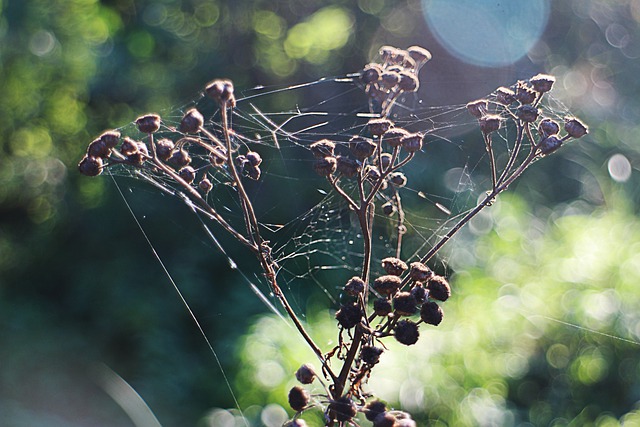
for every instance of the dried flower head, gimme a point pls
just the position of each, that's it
(505, 96)
(385, 419)
(419, 54)
(342, 409)
(439, 288)
(370, 354)
(129, 146)
(409, 82)
(298, 422)
(111, 138)
(388, 208)
(98, 148)
(188, 174)
(431, 313)
(221, 91)
(205, 185)
(362, 147)
(478, 108)
(253, 158)
(298, 398)
(373, 409)
(394, 136)
(527, 113)
(548, 127)
(406, 332)
(347, 167)
(542, 82)
(306, 374)
(252, 172)
(371, 73)
(575, 128)
(191, 122)
(398, 179)
(355, 286)
(382, 307)
(149, 123)
(387, 285)
(412, 142)
(420, 272)
(490, 123)
(394, 266)
(349, 315)
(390, 79)
(419, 293)
(325, 166)
(90, 166)
(378, 127)
(179, 158)
(322, 148)
(405, 304)
(524, 94)
(549, 144)
(164, 148)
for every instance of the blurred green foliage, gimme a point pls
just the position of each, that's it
(80, 287)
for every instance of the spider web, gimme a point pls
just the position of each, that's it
(314, 236)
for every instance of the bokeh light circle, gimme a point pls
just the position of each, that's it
(487, 33)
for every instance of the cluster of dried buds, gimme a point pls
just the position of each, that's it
(396, 73)
(521, 103)
(162, 152)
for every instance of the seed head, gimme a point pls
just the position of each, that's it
(342, 409)
(420, 272)
(253, 158)
(325, 166)
(412, 142)
(322, 148)
(298, 398)
(575, 128)
(439, 288)
(98, 148)
(394, 266)
(349, 315)
(390, 79)
(179, 158)
(191, 122)
(408, 81)
(394, 136)
(205, 185)
(385, 161)
(478, 108)
(419, 54)
(355, 286)
(346, 166)
(129, 146)
(148, 123)
(188, 174)
(388, 52)
(371, 73)
(419, 293)
(385, 419)
(388, 209)
(221, 91)
(490, 123)
(431, 313)
(378, 127)
(306, 374)
(164, 149)
(373, 409)
(362, 147)
(110, 138)
(505, 96)
(527, 113)
(382, 307)
(298, 422)
(548, 127)
(549, 144)
(524, 94)
(90, 166)
(406, 332)
(372, 173)
(398, 179)
(370, 354)
(404, 303)
(387, 285)
(542, 82)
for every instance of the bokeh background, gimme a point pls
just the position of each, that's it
(543, 328)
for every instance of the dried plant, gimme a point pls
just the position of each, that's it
(366, 173)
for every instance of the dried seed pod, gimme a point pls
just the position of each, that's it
(505, 96)
(98, 148)
(373, 409)
(370, 354)
(524, 94)
(390, 79)
(362, 147)
(439, 288)
(548, 127)
(371, 73)
(403, 419)
(322, 148)
(325, 166)
(90, 166)
(355, 286)
(252, 172)
(406, 332)
(405, 304)
(342, 409)
(408, 81)
(298, 422)
(218, 156)
(394, 136)
(412, 142)
(188, 174)
(385, 419)
(378, 127)
(394, 266)
(419, 54)
(349, 315)
(346, 166)
(306, 374)
(253, 158)
(549, 144)
(191, 122)
(298, 398)
(542, 82)
(388, 52)
(164, 149)
(398, 179)
(205, 185)
(575, 128)
(389, 209)
(179, 158)
(111, 138)
(149, 123)
(420, 272)
(478, 108)
(387, 285)
(385, 161)
(431, 313)
(527, 113)
(419, 293)
(221, 91)
(382, 307)
(129, 146)
(490, 123)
